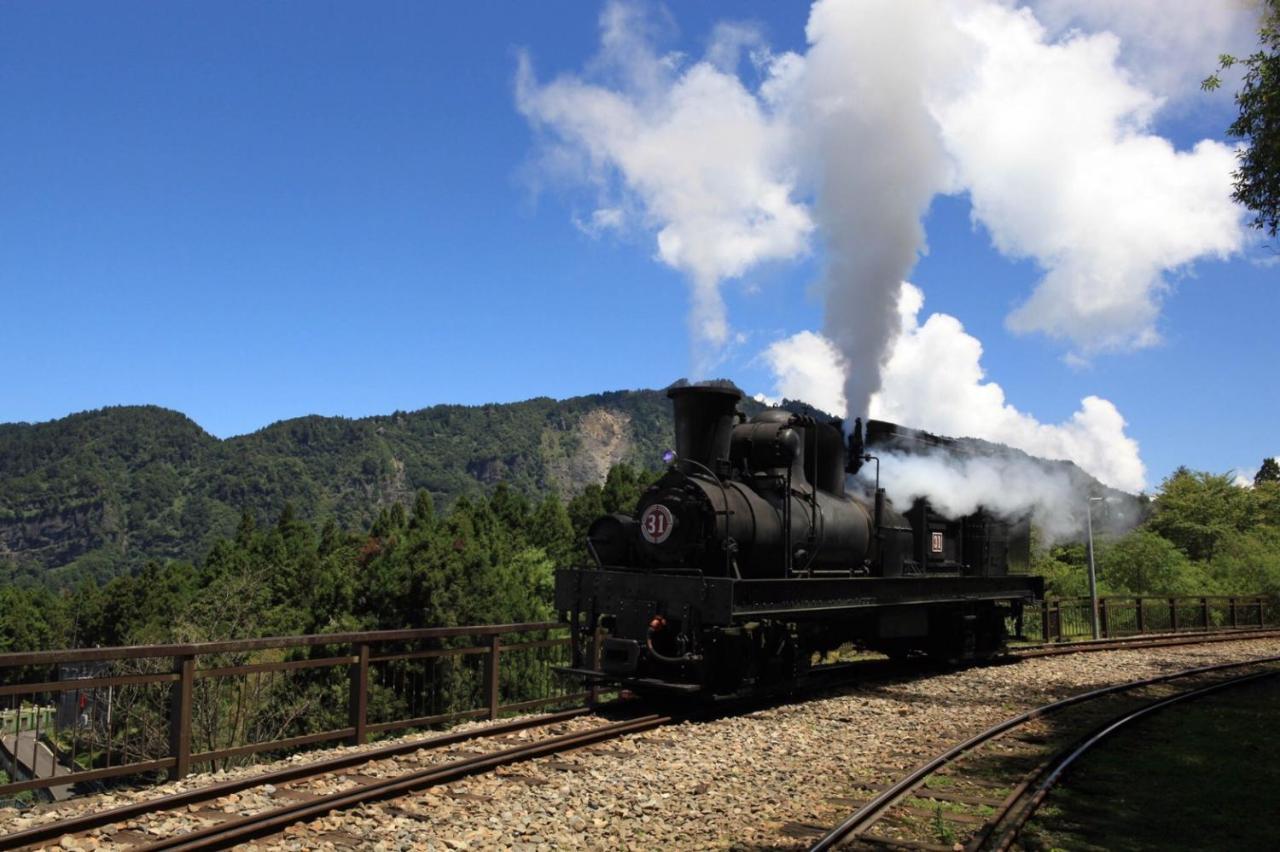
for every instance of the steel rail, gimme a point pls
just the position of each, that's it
(1154, 640)
(90, 821)
(230, 833)
(1029, 804)
(857, 822)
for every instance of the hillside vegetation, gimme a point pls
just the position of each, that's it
(101, 493)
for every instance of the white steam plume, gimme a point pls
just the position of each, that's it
(877, 159)
(934, 380)
(1008, 486)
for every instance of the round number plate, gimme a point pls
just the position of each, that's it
(656, 523)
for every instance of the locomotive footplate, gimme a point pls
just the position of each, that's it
(802, 596)
(721, 601)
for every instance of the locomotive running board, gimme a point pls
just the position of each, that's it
(720, 601)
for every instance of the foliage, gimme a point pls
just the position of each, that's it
(1269, 471)
(1206, 535)
(1196, 510)
(1257, 179)
(100, 493)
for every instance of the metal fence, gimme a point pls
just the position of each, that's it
(111, 712)
(1069, 619)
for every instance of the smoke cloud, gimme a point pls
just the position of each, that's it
(934, 380)
(877, 160)
(1010, 487)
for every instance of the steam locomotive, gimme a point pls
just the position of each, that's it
(749, 558)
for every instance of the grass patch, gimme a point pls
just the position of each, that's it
(1197, 776)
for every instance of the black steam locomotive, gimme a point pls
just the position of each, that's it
(749, 557)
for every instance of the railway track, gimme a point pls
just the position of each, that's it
(227, 832)
(980, 812)
(1157, 640)
(203, 803)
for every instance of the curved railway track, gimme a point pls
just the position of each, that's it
(1008, 813)
(230, 830)
(1155, 640)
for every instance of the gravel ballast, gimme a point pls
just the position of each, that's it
(733, 782)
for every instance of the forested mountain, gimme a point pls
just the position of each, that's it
(103, 491)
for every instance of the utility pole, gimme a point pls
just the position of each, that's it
(1093, 574)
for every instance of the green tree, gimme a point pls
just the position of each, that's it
(1268, 472)
(1195, 510)
(1145, 563)
(1257, 179)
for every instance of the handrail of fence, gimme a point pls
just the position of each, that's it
(1068, 619)
(111, 712)
(103, 713)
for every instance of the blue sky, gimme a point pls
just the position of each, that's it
(250, 212)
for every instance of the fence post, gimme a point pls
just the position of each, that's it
(1232, 604)
(491, 675)
(1261, 620)
(1173, 615)
(358, 703)
(1204, 612)
(1142, 619)
(1104, 617)
(180, 716)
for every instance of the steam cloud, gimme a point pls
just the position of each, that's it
(1010, 487)
(1043, 115)
(934, 380)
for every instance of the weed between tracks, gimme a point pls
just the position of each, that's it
(1199, 776)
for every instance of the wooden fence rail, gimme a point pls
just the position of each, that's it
(110, 712)
(1067, 619)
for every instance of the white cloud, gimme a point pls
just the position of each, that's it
(934, 380)
(808, 367)
(701, 155)
(1168, 46)
(602, 219)
(1053, 142)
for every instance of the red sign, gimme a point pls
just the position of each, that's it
(937, 542)
(656, 523)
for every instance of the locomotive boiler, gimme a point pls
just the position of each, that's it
(755, 552)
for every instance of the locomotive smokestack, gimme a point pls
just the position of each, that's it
(704, 417)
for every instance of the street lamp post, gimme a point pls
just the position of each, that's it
(1093, 574)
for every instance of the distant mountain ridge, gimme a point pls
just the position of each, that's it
(101, 492)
